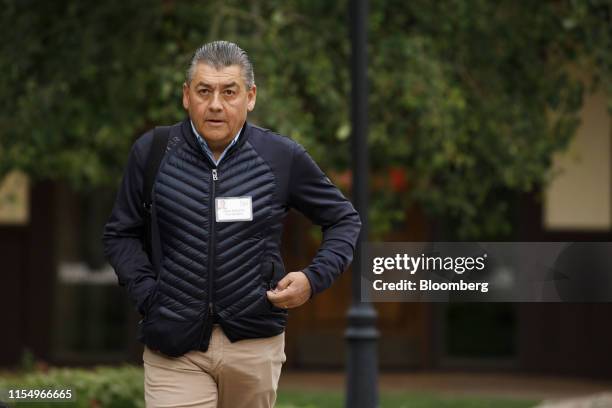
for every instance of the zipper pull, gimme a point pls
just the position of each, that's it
(214, 175)
(210, 309)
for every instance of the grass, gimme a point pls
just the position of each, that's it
(331, 399)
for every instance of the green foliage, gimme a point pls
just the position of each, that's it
(486, 92)
(122, 387)
(108, 387)
(470, 99)
(75, 86)
(28, 360)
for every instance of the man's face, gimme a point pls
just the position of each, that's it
(218, 102)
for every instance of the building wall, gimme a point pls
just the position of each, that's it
(579, 198)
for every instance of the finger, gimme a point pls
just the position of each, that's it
(281, 304)
(281, 297)
(283, 283)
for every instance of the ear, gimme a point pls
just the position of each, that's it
(185, 96)
(251, 98)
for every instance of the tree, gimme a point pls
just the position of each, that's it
(469, 99)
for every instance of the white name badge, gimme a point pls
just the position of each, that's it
(230, 209)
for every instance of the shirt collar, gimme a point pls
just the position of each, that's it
(206, 148)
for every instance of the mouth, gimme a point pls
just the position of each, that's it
(215, 122)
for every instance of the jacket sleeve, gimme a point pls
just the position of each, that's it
(122, 237)
(315, 196)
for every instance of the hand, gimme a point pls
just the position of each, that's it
(291, 291)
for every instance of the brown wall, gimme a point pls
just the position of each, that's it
(563, 338)
(566, 339)
(28, 276)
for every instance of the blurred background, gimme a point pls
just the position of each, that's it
(488, 121)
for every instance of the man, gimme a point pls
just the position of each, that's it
(214, 293)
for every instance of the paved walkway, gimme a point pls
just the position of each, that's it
(524, 386)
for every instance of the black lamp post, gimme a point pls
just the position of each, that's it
(361, 333)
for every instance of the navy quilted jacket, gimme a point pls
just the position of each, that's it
(202, 270)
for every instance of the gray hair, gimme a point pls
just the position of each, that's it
(222, 54)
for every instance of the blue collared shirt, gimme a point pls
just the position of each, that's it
(206, 148)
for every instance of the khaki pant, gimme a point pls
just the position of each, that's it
(227, 375)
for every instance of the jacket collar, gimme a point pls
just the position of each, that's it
(191, 138)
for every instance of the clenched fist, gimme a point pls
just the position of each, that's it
(292, 291)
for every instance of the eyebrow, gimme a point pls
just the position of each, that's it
(223, 86)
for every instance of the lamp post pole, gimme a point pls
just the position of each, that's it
(361, 333)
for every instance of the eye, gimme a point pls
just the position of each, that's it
(229, 92)
(203, 91)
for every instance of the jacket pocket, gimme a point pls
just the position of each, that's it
(279, 273)
(150, 299)
(262, 306)
(267, 274)
(271, 274)
(170, 333)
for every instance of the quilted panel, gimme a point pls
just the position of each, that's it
(182, 199)
(241, 245)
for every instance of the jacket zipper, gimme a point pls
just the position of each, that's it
(211, 243)
(211, 256)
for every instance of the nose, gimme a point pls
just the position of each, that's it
(215, 103)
